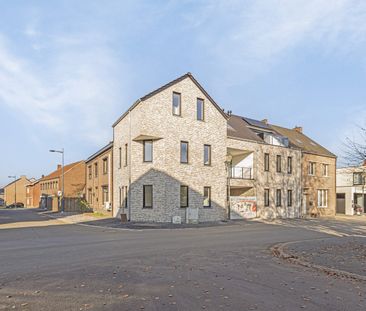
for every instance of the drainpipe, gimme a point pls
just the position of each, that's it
(129, 167)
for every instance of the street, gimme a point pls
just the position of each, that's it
(49, 265)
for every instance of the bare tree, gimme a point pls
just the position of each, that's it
(355, 149)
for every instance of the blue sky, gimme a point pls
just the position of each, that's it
(68, 69)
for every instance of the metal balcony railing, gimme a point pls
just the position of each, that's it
(241, 172)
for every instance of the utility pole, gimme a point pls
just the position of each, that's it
(62, 177)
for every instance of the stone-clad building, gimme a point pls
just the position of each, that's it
(99, 179)
(177, 156)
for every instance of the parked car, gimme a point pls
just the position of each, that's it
(15, 205)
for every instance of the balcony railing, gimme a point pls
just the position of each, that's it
(241, 172)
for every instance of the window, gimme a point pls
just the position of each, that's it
(126, 154)
(148, 150)
(322, 198)
(95, 170)
(105, 194)
(325, 170)
(289, 198)
(105, 166)
(278, 164)
(206, 196)
(90, 172)
(183, 152)
(123, 197)
(183, 196)
(148, 196)
(90, 196)
(207, 155)
(357, 178)
(311, 168)
(119, 157)
(266, 197)
(200, 109)
(289, 165)
(266, 162)
(278, 197)
(176, 104)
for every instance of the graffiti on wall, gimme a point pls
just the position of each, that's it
(243, 207)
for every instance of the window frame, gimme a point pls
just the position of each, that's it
(120, 157)
(144, 150)
(289, 165)
(278, 163)
(289, 198)
(209, 154)
(90, 172)
(180, 104)
(144, 196)
(105, 165)
(312, 168)
(325, 171)
(126, 155)
(209, 196)
(266, 162)
(200, 100)
(181, 143)
(266, 197)
(361, 179)
(180, 196)
(96, 170)
(322, 194)
(279, 202)
(105, 192)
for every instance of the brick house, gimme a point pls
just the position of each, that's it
(318, 173)
(99, 168)
(2, 201)
(169, 156)
(74, 176)
(16, 190)
(33, 194)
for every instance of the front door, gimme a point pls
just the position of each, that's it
(341, 203)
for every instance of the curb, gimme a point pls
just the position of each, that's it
(278, 251)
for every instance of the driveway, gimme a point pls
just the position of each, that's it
(56, 266)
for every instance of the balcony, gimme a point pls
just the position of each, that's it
(238, 172)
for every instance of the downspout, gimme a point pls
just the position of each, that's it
(129, 167)
(109, 181)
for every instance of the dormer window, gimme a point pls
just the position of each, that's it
(176, 104)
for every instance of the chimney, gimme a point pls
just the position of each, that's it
(265, 121)
(298, 129)
(59, 166)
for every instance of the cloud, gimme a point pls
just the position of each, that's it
(72, 91)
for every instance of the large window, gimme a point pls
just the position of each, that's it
(289, 165)
(207, 155)
(278, 197)
(207, 197)
(183, 152)
(266, 162)
(176, 104)
(95, 170)
(105, 194)
(148, 196)
(325, 170)
(200, 109)
(357, 178)
(311, 170)
(266, 197)
(278, 164)
(289, 198)
(123, 196)
(183, 196)
(322, 198)
(148, 150)
(105, 166)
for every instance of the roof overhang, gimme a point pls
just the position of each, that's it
(143, 137)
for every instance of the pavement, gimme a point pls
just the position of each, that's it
(47, 264)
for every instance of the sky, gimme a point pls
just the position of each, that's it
(69, 69)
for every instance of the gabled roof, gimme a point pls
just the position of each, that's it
(303, 142)
(100, 151)
(162, 88)
(57, 173)
(14, 181)
(238, 128)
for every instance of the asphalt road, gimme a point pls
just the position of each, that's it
(46, 265)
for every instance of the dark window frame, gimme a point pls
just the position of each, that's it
(266, 162)
(90, 172)
(144, 149)
(266, 197)
(180, 104)
(105, 165)
(181, 143)
(95, 169)
(203, 108)
(289, 165)
(209, 197)
(289, 198)
(144, 198)
(209, 154)
(119, 157)
(278, 198)
(278, 163)
(126, 155)
(180, 196)
(360, 179)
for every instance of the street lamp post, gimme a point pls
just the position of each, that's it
(63, 180)
(15, 189)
